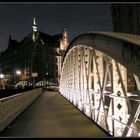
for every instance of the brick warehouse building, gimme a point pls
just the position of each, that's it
(126, 18)
(38, 53)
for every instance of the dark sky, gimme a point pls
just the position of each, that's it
(16, 19)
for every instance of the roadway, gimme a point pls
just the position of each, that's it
(52, 116)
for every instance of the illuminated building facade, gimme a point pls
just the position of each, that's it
(38, 53)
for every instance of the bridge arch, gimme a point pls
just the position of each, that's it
(41, 83)
(23, 83)
(124, 48)
(100, 76)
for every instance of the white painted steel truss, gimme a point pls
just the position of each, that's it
(103, 89)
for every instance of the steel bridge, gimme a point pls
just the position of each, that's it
(100, 76)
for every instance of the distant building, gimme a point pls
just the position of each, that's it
(126, 18)
(38, 53)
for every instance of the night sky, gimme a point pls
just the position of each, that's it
(16, 19)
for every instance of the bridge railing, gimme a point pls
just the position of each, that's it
(12, 106)
(102, 117)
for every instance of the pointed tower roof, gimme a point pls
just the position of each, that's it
(64, 40)
(34, 27)
(34, 22)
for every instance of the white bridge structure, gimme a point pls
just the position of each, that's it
(100, 76)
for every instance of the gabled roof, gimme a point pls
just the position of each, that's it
(52, 40)
(13, 45)
(26, 39)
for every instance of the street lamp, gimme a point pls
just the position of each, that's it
(47, 77)
(1, 77)
(18, 72)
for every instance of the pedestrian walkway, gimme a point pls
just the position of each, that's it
(52, 116)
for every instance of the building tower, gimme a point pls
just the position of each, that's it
(34, 27)
(64, 41)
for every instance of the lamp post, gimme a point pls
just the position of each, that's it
(1, 77)
(46, 77)
(18, 73)
(34, 74)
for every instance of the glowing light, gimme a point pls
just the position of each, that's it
(18, 72)
(1, 76)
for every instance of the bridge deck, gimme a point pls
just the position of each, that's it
(51, 115)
